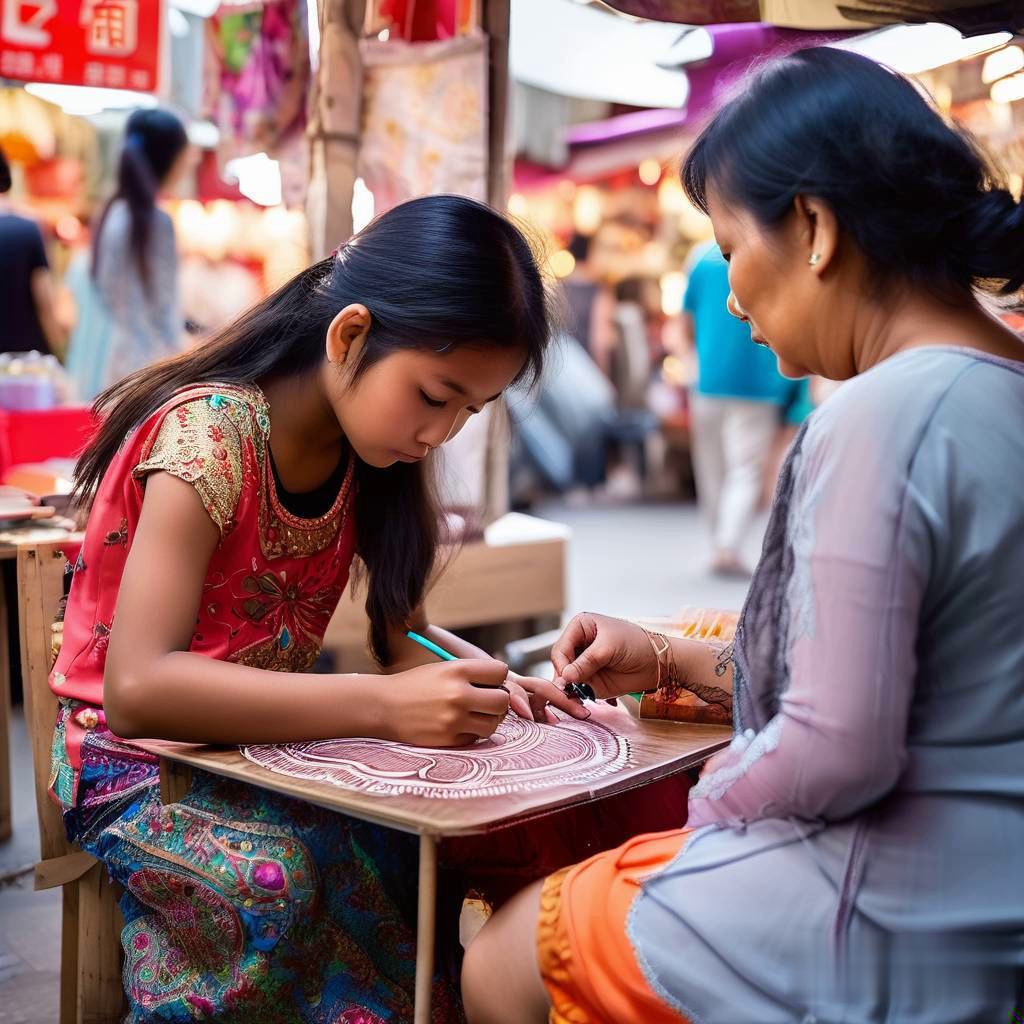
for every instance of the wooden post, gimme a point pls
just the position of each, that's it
(426, 916)
(5, 718)
(335, 125)
(175, 781)
(494, 18)
(40, 586)
(101, 996)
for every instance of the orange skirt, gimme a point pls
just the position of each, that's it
(586, 959)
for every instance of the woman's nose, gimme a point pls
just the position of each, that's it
(735, 308)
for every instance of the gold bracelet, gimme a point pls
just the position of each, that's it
(669, 683)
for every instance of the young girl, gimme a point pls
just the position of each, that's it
(231, 489)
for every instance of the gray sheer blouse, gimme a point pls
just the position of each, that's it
(146, 324)
(860, 853)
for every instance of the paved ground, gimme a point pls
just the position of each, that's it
(629, 560)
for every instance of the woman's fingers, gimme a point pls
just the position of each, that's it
(575, 636)
(588, 663)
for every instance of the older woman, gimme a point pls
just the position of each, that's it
(857, 854)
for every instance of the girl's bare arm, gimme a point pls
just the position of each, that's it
(154, 686)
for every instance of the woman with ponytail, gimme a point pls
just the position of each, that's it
(231, 488)
(857, 853)
(135, 257)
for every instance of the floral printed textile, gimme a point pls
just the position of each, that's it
(242, 906)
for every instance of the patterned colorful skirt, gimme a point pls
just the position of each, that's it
(241, 905)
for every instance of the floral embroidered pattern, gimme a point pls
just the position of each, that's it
(118, 536)
(747, 747)
(202, 442)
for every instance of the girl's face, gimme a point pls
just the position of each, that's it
(412, 401)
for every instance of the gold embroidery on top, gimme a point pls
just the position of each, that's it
(284, 534)
(202, 440)
(267, 654)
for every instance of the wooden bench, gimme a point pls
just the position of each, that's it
(514, 576)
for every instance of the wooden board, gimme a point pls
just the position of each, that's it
(5, 714)
(517, 572)
(657, 749)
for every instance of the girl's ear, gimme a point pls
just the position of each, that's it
(347, 332)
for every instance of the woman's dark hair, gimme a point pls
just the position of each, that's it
(914, 194)
(5, 174)
(153, 141)
(436, 274)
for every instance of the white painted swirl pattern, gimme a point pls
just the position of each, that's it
(520, 755)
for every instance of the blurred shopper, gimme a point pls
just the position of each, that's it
(26, 288)
(591, 306)
(738, 407)
(135, 256)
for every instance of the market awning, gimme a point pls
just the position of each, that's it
(589, 53)
(970, 18)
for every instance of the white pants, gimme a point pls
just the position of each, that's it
(732, 440)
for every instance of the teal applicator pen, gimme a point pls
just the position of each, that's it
(431, 646)
(581, 691)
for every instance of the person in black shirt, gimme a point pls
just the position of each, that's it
(26, 289)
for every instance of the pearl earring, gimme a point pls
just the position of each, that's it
(814, 259)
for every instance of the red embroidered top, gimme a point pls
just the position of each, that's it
(274, 579)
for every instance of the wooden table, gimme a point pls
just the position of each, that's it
(9, 541)
(657, 750)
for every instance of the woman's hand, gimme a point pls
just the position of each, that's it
(531, 696)
(615, 657)
(445, 705)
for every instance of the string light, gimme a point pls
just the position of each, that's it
(1008, 90)
(649, 172)
(563, 263)
(1003, 62)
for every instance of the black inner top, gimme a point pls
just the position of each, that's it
(311, 504)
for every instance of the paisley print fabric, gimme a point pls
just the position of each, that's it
(242, 906)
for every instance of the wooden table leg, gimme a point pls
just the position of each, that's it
(425, 928)
(175, 781)
(5, 720)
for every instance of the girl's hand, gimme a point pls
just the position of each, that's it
(445, 705)
(615, 657)
(530, 698)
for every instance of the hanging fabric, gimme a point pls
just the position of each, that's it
(425, 126)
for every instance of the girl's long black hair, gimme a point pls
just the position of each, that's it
(153, 141)
(435, 273)
(915, 194)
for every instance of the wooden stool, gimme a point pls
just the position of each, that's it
(91, 990)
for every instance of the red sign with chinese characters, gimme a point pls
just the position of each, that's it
(113, 44)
